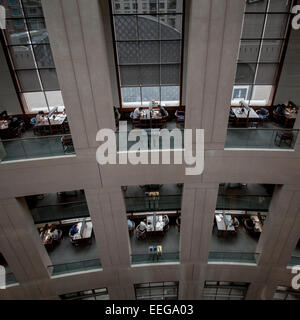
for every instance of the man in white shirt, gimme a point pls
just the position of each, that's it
(137, 113)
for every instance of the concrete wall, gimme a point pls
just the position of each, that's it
(77, 34)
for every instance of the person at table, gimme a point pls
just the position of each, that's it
(163, 111)
(235, 222)
(74, 230)
(137, 113)
(40, 117)
(142, 226)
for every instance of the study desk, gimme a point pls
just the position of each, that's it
(155, 223)
(245, 115)
(53, 124)
(224, 224)
(149, 119)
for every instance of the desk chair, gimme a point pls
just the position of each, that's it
(232, 117)
(140, 235)
(180, 115)
(285, 136)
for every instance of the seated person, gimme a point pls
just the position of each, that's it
(163, 111)
(130, 224)
(73, 230)
(142, 227)
(117, 114)
(165, 220)
(40, 116)
(235, 222)
(137, 113)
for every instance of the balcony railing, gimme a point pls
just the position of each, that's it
(237, 257)
(64, 211)
(244, 202)
(142, 204)
(295, 261)
(278, 139)
(150, 140)
(74, 267)
(36, 147)
(155, 258)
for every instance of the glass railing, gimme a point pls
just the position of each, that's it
(261, 138)
(140, 204)
(246, 202)
(150, 140)
(36, 147)
(155, 258)
(295, 261)
(237, 257)
(60, 212)
(74, 267)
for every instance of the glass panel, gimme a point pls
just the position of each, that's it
(131, 94)
(245, 73)
(149, 75)
(249, 50)
(13, 8)
(16, 32)
(54, 99)
(22, 57)
(127, 52)
(266, 73)
(253, 26)
(280, 5)
(170, 51)
(38, 31)
(271, 51)
(43, 56)
(35, 102)
(49, 79)
(258, 6)
(126, 27)
(150, 93)
(149, 51)
(170, 74)
(170, 27)
(276, 26)
(29, 80)
(129, 75)
(33, 8)
(170, 94)
(148, 28)
(261, 94)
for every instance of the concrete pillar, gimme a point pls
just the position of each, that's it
(23, 250)
(213, 42)
(78, 45)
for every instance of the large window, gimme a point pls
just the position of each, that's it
(93, 294)
(28, 47)
(156, 291)
(148, 43)
(262, 42)
(217, 290)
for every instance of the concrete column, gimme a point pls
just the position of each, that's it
(108, 213)
(78, 45)
(198, 208)
(281, 230)
(213, 41)
(23, 250)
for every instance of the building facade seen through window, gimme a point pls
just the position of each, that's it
(217, 290)
(27, 44)
(156, 291)
(148, 43)
(93, 294)
(285, 293)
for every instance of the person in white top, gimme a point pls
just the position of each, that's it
(137, 113)
(142, 226)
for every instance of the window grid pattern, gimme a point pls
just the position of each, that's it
(217, 290)
(262, 42)
(286, 293)
(93, 294)
(148, 45)
(28, 46)
(156, 291)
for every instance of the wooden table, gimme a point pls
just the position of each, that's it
(5, 132)
(54, 124)
(155, 223)
(241, 114)
(148, 120)
(224, 224)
